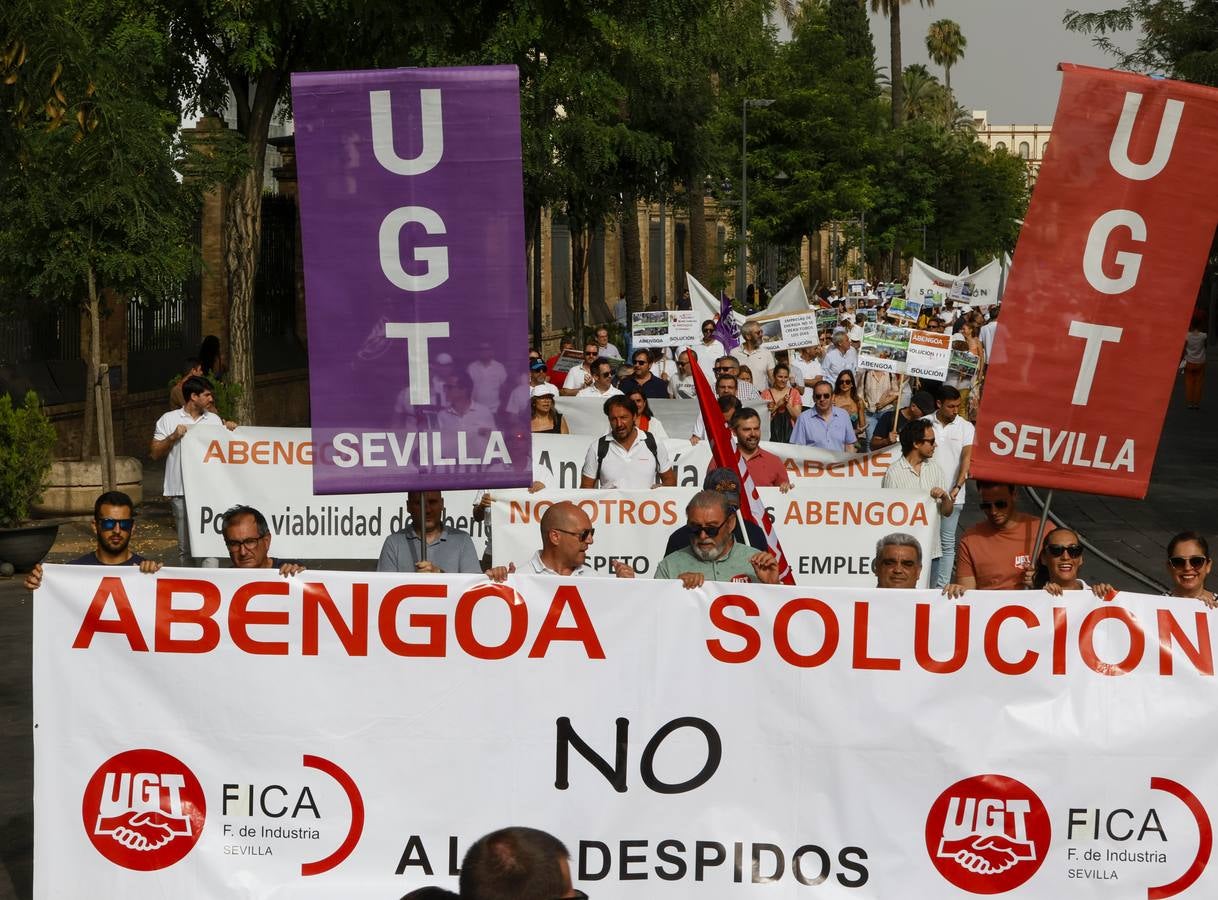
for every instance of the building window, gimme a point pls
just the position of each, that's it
(1000, 146)
(1024, 150)
(1044, 148)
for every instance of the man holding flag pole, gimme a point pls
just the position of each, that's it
(725, 454)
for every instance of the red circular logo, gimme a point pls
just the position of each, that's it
(987, 834)
(143, 810)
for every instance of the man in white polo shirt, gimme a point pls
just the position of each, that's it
(166, 444)
(626, 458)
(602, 382)
(954, 447)
(566, 535)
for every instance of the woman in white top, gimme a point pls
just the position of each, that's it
(1194, 361)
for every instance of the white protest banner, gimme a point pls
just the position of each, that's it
(204, 734)
(270, 469)
(980, 288)
(883, 348)
(788, 332)
(664, 328)
(790, 298)
(828, 534)
(929, 355)
(928, 283)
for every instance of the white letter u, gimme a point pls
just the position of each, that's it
(382, 133)
(1118, 151)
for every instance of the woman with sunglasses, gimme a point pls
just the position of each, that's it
(846, 397)
(1188, 561)
(646, 420)
(1061, 556)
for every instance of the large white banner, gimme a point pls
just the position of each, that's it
(204, 734)
(828, 535)
(270, 469)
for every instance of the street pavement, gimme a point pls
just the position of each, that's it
(1183, 495)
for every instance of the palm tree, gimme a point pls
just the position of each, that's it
(892, 9)
(945, 43)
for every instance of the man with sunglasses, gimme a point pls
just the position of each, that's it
(954, 434)
(915, 470)
(713, 554)
(824, 425)
(641, 379)
(113, 524)
(580, 376)
(566, 535)
(248, 539)
(745, 390)
(996, 554)
(602, 381)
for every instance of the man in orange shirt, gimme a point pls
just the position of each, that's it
(995, 554)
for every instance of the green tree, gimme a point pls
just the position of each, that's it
(892, 9)
(848, 20)
(92, 200)
(1175, 38)
(946, 43)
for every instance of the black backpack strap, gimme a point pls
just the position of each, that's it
(602, 450)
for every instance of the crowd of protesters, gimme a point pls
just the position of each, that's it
(815, 395)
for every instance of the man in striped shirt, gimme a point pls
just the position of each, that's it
(916, 470)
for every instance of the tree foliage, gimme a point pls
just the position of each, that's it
(1175, 38)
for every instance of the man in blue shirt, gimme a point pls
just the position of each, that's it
(825, 425)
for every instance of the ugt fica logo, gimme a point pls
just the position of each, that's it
(143, 810)
(987, 834)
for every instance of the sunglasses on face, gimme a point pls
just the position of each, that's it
(708, 530)
(1074, 551)
(589, 353)
(846, 382)
(994, 504)
(822, 396)
(641, 362)
(583, 536)
(1192, 562)
(722, 369)
(109, 524)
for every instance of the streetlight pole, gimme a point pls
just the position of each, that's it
(742, 264)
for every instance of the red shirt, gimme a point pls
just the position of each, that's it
(556, 378)
(996, 558)
(767, 469)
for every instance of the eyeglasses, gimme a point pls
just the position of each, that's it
(589, 353)
(845, 382)
(994, 504)
(584, 536)
(708, 530)
(641, 362)
(1074, 551)
(822, 396)
(249, 543)
(109, 524)
(1192, 562)
(722, 369)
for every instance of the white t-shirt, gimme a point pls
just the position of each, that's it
(635, 469)
(488, 379)
(986, 336)
(707, 354)
(950, 441)
(167, 425)
(802, 370)
(591, 391)
(575, 379)
(760, 363)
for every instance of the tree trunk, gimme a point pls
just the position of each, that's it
(951, 103)
(88, 429)
(633, 256)
(898, 84)
(581, 248)
(242, 236)
(697, 230)
(535, 233)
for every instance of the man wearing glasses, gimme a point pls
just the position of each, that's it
(745, 390)
(580, 377)
(916, 470)
(994, 555)
(248, 539)
(824, 425)
(602, 382)
(566, 535)
(642, 380)
(713, 554)
(113, 524)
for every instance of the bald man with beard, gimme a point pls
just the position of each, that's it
(566, 535)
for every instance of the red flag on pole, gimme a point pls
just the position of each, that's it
(727, 455)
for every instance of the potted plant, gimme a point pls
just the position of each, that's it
(27, 442)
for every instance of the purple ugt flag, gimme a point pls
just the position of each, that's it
(727, 332)
(412, 224)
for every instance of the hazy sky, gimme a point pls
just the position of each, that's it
(1010, 65)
